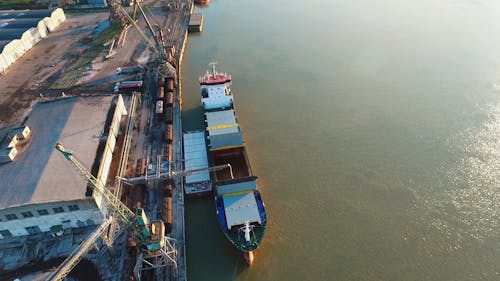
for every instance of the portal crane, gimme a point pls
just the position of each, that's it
(149, 235)
(137, 221)
(158, 45)
(156, 36)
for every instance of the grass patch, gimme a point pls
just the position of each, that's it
(72, 76)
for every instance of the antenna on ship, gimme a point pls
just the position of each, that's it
(212, 64)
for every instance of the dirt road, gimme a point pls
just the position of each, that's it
(29, 78)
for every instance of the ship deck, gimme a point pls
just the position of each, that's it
(241, 207)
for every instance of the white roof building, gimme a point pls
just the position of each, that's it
(40, 191)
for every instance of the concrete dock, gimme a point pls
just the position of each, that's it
(141, 144)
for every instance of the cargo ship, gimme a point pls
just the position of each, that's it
(239, 205)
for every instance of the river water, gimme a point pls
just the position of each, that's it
(374, 128)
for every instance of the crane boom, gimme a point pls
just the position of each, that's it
(146, 39)
(156, 37)
(125, 214)
(74, 258)
(148, 234)
(138, 222)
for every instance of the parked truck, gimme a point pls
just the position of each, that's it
(128, 69)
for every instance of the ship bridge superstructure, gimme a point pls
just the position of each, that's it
(215, 97)
(216, 90)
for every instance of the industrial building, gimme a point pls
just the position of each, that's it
(20, 30)
(46, 207)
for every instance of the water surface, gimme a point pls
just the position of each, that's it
(374, 128)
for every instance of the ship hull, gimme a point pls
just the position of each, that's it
(239, 206)
(235, 236)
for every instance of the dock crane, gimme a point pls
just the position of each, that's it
(158, 45)
(149, 235)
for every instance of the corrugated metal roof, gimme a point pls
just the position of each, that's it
(195, 156)
(40, 174)
(221, 122)
(11, 33)
(25, 14)
(220, 141)
(4, 151)
(19, 23)
(240, 208)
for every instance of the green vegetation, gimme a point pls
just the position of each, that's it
(72, 76)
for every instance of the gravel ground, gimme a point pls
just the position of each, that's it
(30, 77)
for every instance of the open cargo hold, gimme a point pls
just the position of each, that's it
(237, 158)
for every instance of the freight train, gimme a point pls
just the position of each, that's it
(165, 113)
(165, 99)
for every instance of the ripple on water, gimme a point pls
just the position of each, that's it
(476, 191)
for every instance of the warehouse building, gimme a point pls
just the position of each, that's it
(20, 30)
(45, 203)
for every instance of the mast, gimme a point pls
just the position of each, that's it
(214, 73)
